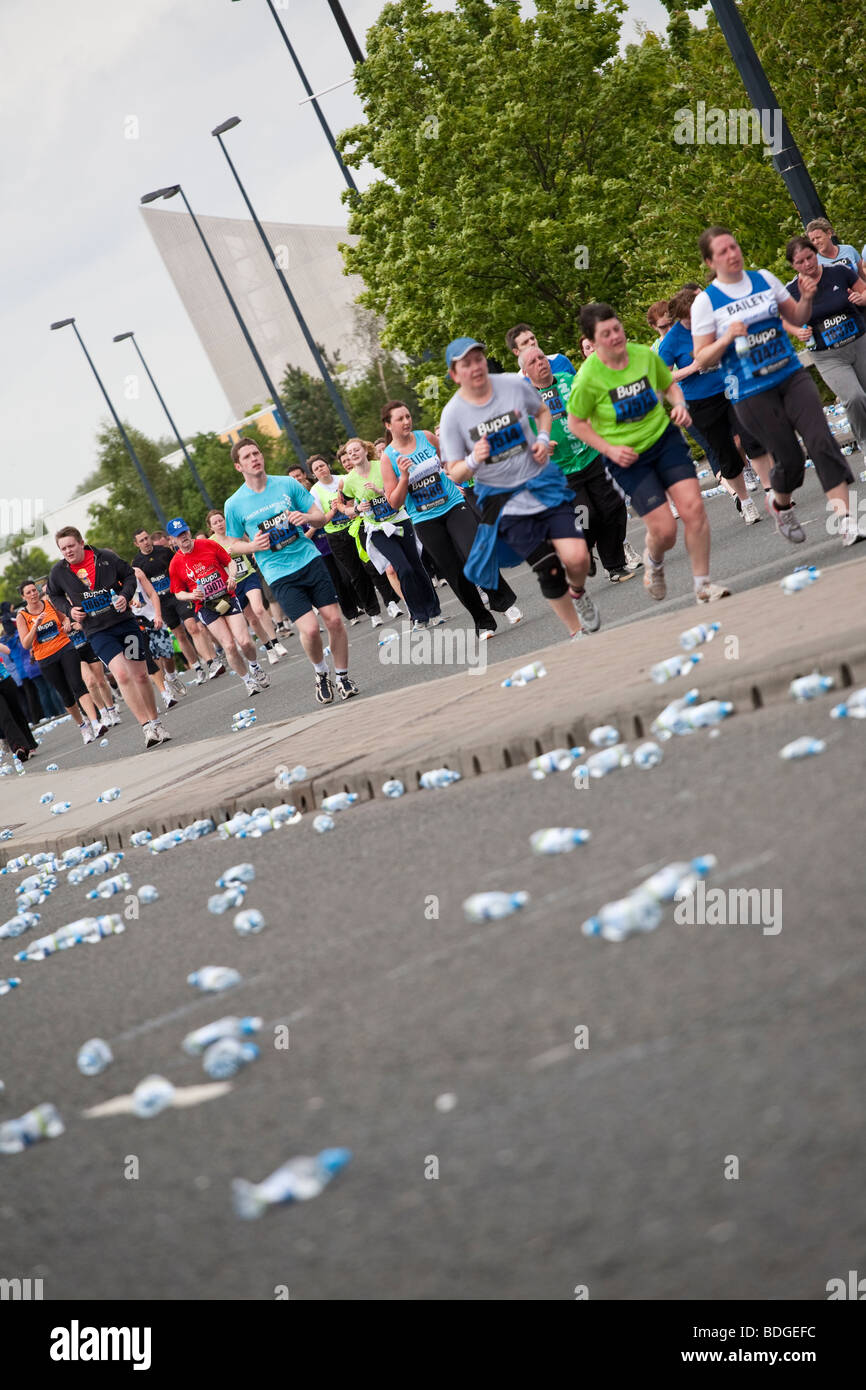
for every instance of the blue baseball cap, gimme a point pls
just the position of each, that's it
(176, 526)
(459, 348)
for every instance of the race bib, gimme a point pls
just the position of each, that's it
(427, 489)
(78, 638)
(838, 329)
(280, 531)
(505, 435)
(242, 567)
(212, 585)
(161, 583)
(96, 601)
(768, 350)
(553, 400)
(633, 401)
(381, 508)
(46, 631)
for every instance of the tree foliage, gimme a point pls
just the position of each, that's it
(30, 564)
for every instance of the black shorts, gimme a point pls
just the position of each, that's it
(308, 588)
(175, 611)
(126, 638)
(647, 480)
(252, 581)
(208, 615)
(525, 532)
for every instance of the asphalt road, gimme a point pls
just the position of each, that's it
(711, 1048)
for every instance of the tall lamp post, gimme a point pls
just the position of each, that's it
(282, 414)
(346, 30)
(336, 398)
(145, 481)
(119, 338)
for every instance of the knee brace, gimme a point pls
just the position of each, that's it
(549, 570)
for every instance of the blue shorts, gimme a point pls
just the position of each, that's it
(646, 481)
(305, 589)
(125, 638)
(252, 581)
(207, 615)
(525, 533)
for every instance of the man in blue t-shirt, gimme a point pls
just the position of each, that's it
(264, 517)
(521, 338)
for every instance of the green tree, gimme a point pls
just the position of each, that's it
(30, 564)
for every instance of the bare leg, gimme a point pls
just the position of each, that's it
(133, 679)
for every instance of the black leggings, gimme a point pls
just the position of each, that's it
(448, 539)
(604, 516)
(13, 721)
(776, 415)
(354, 572)
(63, 671)
(402, 553)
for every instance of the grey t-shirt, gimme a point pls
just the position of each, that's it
(504, 420)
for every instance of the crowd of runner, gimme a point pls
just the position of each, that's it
(539, 466)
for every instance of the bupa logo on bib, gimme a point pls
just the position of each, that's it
(504, 434)
(553, 400)
(632, 401)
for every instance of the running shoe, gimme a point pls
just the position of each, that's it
(252, 685)
(750, 512)
(514, 615)
(484, 634)
(376, 619)
(176, 684)
(272, 656)
(708, 593)
(419, 626)
(112, 716)
(86, 731)
(215, 668)
(280, 649)
(151, 735)
(324, 688)
(850, 531)
(436, 621)
(162, 734)
(346, 687)
(751, 479)
(201, 675)
(620, 576)
(654, 578)
(786, 523)
(395, 611)
(168, 699)
(260, 676)
(353, 622)
(589, 615)
(99, 728)
(632, 559)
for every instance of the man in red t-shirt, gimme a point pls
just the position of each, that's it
(200, 573)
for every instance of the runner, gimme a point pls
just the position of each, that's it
(161, 668)
(326, 491)
(413, 476)
(527, 511)
(521, 338)
(248, 589)
(95, 676)
(774, 397)
(199, 573)
(44, 631)
(600, 508)
(658, 316)
(153, 559)
(272, 508)
(615, 407)
(94, 587)
(820, 233)
(14, 725)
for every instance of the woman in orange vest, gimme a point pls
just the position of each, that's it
(44, 632)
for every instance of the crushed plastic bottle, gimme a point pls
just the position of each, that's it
(198, 828)
(110, 795)
(52, 767)
(169, 840)
(296, 1181)
(140, 838)
(533, 672)
(852, 708)
(489, 907)
(249, 923)
(42, 1122)
(322, 824)
(647, 755)
(802, 748)
(147, 894)
(226, 1057)
(803, 576)
(340, 802)
(103, 743)
(617, 920)
(808, 687)
(120, 883)
(679, 877)
(6, 834)
(285, 815)
(61, 808)
(31, 899)
(94, 1056)
(90, 868)
(212, 979)
(238, 873)
(6, 986)
(704, 716)
(20, 923)
(197, 1043)
(557, 760)
(557, 840)
(387, 638)
(46, 798)
(438, 777)
(152, 1095)
(232, 897)
(21, 861)
(605, 736)
(698, 635)
(601, 763)
(392, 788)
(673, 667)
(664, 722)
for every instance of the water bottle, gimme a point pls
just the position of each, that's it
(140, 838)
(296, 1181)
(807, 687)
(198, 829)
(167, 841)
(147, 894)
(195, 1044)
(802, 577)
(489, 907)
(6, 834)
(601, 763)
(341, 802)
(299, 773)
(605, 736)
(257, 826)
(704, 716)
(20, 923)
(852, 708)
(697, 636)
(6, 986)
(438, 777)
(232, 897)
(802, 748)
(37, 882)
(121, 883)
(46, 798)
(284, 815)
(246, 723)
(212, 979)
(94, 1056)
(103, 743)
(238, 873)
(646, 755)
(43, 1122)
(45, 860)
(151, 1095)
(388, 637)
(681, 876)
(557, 840)
(617, 920)
(557, 760)
(226, 1057)
(671, 713)
(111, 795)
(323, 823)
(392, 788)
(25, 900)
(249, 923)
(52, 767)
(674, 666)
(61, 808)
(95, 929)
(534, 671)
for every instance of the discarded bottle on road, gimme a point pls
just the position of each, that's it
(284, 814)
(141, 837)
(197, 1043)
(534, 671)
(105, 864)
(340, 802)
(111, 795)
(673, 667)
(6, 834)
(169, 840)
(212, 979)
(808, 687)
(852, 708)
(803, 576)
(704, 716)
(392, 788)
(226, 1057)
(198, 829)
(802, 748)
(389, 637)
(147, 894)
(438, 777)
(238, 873)
(681, 876)
(6, 986)
(617, 920)
(42, 1122)
(232, 897)
(671, 713)
(296, 1181)
(31, 899)
(46, 798)
(120, 883)
(61, 808)
(52, 767)
(604, 761)
(322, 824)
(605, 736)
(249, 923)
(152, 1095)
(557, 840)
(557, 760)
(489, 907)
(698, 635)
(94, 1056)
(20, 923)
(647, 755)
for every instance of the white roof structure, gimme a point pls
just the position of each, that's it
(41, 525)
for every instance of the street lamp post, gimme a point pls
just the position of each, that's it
(119, 338)
(346, 30)
(336, 398)
(282, 414)
(145, 482)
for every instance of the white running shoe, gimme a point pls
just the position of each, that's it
(113, 715)
(786, 522)
(86, 728)
(751, 479)
(376, 620)
(280, 649)
(437, 621)
(850, 531)
(419, 626)
(151, 735)
(260, 676)
(708, 593)
(272, 657)
(749, 512)
(252, 685)
(162, 734)
(632, 559)
(395, 611)
(589, 615)
(215, 668)
(513, 614)
(176, 685)
(654, 578)
(168, 699)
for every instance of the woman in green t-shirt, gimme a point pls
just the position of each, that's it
(615, 406)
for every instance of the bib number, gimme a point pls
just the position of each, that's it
(504, 434)
(280, 531)
(212, 585)
(96, 601)
(634, 401)
(427, 490)
(161, 583)
(381, 508)
(46, 631)
(837, 331)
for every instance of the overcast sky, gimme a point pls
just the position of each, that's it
(104, 100)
